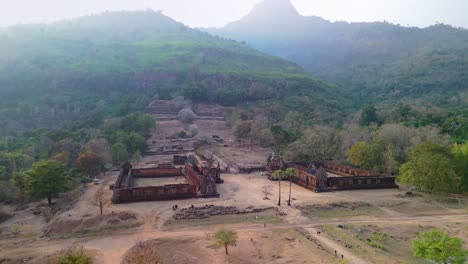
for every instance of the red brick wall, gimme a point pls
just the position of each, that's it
(368, 180)
(348, 171)
(154, 193)
(156, 172)
(192, 176)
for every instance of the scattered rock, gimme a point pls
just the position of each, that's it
(211, 210)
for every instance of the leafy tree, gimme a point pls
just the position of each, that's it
(430, 168)
(242, 129)
(289, 173)
(438, 247)
(361, 155)
(145, 123)
(140, 123)
(20, 181)
(460, 153)
(136, 142)
(47, 179)
(378, 239)
(280, 135)
(119, 153)
(279, 175)
(368, 116)
(89, 162)
(226, 238)
(404, 112)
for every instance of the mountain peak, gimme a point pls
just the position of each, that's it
(269, 16)
(275, 8)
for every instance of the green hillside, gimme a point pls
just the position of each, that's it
(114, 63)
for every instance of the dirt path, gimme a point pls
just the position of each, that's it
(332, 245)
(115, 245)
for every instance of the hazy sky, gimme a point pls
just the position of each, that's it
(205, 13)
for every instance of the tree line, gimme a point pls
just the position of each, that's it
(43, 164)
(425, 156)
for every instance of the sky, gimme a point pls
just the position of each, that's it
(216, 13)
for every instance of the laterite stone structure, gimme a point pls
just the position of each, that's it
(324, 177)
(200, 183)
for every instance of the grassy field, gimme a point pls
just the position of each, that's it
(342, 209)
(396, 248)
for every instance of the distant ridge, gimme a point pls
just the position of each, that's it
(373, 61)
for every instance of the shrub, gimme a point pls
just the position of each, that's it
(74, 255)
(142, 253)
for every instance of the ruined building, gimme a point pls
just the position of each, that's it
(199, 182)
(324, 176)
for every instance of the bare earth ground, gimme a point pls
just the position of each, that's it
(287, 238)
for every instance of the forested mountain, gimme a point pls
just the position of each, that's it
(114, 63)
(372, 62)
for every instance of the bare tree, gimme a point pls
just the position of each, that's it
(318, 143)
(266, 190)
(101, 147)
(100, 200)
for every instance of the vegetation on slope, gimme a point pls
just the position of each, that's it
(116, 62)
(73, 91)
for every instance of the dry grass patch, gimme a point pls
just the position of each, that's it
(339, 209)
(267, 216)
(91, 225)
(362, 241)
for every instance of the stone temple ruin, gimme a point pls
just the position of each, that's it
(324, 176)
(196, 179)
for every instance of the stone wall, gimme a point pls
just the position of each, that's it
(199, 185)
(192, 176)
(361, 182)
(154, 193)
(156, 172)
(348, 178)
(347, 170)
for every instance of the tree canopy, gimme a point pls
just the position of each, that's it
(226, 238)
(431, 168)
(437, 246)
(47, 179)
